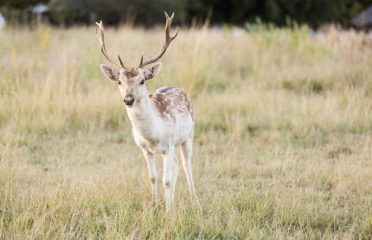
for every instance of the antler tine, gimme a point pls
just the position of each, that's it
(168, 24)
(121, 62)
(101, 39)
(141, 62)
(167, 41)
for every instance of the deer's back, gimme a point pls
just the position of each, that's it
(172, 104)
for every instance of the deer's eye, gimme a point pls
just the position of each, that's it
(119, 82)
(142, 82)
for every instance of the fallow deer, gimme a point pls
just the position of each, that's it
(160, 121)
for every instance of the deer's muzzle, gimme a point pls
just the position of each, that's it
(129, 100)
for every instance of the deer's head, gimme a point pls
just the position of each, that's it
(132, 80)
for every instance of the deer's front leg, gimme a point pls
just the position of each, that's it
(170, 173)
(151, 164)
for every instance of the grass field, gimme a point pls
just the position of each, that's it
(283, 143)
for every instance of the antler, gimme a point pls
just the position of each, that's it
(101, 39)
(168, 40)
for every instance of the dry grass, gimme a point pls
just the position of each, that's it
(283, 146)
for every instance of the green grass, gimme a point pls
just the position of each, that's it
(283, 145)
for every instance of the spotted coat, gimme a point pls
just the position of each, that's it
(170, 102)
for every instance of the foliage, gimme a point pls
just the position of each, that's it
(113, 11)
(145, 12)
(20, 4)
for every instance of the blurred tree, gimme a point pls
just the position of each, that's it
(316, 12)
(149, 12)
(20, 4)
(144, 12)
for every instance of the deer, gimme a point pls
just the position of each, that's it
(161, 121)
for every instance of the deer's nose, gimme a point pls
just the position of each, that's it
(129, 100)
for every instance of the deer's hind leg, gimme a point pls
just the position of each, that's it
(170, 172)
(186, 154)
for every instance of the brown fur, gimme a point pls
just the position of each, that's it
(169, 101)
(132, 72)
(162, 104)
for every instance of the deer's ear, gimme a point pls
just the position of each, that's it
(152, 71)
(110, 72)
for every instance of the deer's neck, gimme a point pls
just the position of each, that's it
(144, 118)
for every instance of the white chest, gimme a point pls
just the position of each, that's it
(148, 131)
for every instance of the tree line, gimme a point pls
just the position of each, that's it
(149, 12)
